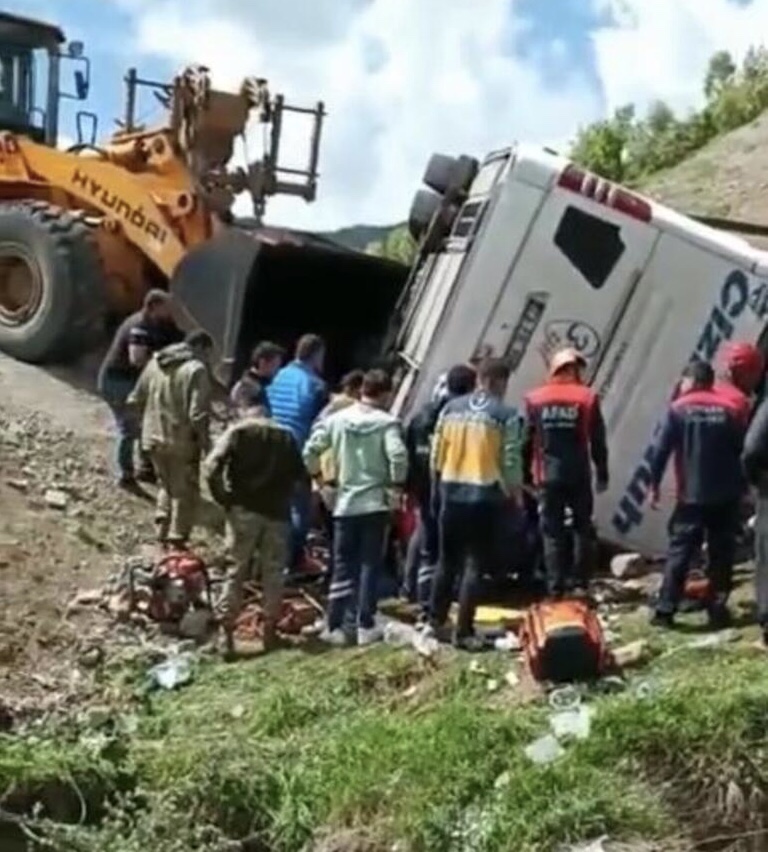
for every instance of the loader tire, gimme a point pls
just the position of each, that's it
(52, 295)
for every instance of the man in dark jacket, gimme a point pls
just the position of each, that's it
(704, 431)
(252, 472)
(136, 340)
(251, 388)
(460, 380)
(755, 460)
(564, 429)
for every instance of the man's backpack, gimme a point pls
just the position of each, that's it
(563, 641)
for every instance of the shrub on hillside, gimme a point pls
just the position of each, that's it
(627, 148)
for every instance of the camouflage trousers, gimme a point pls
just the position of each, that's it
(178, 494)
(258, 549)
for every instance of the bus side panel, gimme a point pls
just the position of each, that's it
(471, 305)
(698, 301)
(584, 262)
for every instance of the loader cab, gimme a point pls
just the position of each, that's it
(31, 55)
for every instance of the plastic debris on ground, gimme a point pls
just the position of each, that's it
(544, 750)
(593, 846)
(508, 642)
(631, 654)
(172, 673)
(400, 634)
(714, 640)
(574, 723)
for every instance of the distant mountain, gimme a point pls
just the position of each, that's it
(359, 237)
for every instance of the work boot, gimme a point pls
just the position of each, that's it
(126, 480)
(228, 650)
(147, 475)
(663, 620)
(472, 643)
(369, 635)
(269, 637)
(337, 638)
(719, 617)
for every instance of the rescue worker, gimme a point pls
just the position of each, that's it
(252, 472)
(139, 336)
(483, 352)
(755, 461)
(741, 368)
(460, 381)
(564, 428)
(704, 430)
(371, 463)
(476, 468)
(173, 398)
(296, 396)
(251, 389)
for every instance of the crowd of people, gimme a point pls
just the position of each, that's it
(471, 463)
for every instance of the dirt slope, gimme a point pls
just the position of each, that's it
(54, 434)
(727, 178)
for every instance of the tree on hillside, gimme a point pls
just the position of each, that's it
(397, 245)
(601, 146)
(720, 73)
(628, 147)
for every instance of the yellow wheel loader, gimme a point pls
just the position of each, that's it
(84, 233)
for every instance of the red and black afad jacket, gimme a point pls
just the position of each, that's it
(704, 433)
(564, 431)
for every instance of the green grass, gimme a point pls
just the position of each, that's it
(352, 751)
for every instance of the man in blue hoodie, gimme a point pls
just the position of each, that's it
(296, 396)
(370, 463)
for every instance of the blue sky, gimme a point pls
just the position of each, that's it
(404, 78)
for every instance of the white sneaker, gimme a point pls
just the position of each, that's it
(337, 638)
(369, 635)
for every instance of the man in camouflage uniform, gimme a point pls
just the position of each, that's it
(252, 472)
(173, 397)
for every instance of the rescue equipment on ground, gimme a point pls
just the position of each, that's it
(563, 641)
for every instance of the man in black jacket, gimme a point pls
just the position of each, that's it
(460, 380)
(252, 472)
(704, 432)
(755, 461)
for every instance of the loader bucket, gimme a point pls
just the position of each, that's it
(247, 286)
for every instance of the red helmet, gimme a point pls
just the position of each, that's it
(744, 361)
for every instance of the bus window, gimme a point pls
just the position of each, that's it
(592, 245)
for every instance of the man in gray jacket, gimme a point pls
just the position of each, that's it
(370, 464)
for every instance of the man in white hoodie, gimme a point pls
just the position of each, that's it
(370, 463)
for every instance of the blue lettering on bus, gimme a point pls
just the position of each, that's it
(733, 300)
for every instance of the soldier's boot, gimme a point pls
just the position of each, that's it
(227, 646)
(270, 638)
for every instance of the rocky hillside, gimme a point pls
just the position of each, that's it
(727, 178)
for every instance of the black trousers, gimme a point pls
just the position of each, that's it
(689, 526)
(761, 559)
(468, 533)
(567, 553)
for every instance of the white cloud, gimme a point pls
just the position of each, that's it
(404, 78)
(401, 79)
(661, 49)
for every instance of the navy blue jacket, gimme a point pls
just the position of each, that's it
(418, 442)
(704, 432)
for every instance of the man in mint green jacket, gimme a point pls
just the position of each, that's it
(371, 463)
